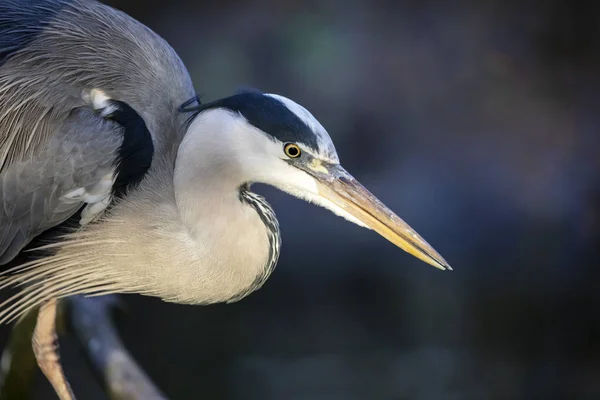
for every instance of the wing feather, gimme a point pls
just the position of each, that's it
(78, 155)
(51, 142)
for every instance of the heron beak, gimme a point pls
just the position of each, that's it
(339, 187)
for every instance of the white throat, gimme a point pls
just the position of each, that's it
(230, 236)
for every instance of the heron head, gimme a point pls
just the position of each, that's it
(267, 138)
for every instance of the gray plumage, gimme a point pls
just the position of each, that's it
(50, 143)
(82, 45)
(191, 231)
(32, 192)
(95, 125)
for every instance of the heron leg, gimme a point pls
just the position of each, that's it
(45, 348)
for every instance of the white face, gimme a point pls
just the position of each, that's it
(234, 151)
(249, 155)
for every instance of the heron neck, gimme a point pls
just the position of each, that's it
(204, 202)
(206, 183)
(208, 174)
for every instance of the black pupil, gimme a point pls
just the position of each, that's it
(293, 151)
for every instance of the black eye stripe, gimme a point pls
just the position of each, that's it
(266, 113)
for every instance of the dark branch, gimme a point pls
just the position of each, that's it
(122, 377)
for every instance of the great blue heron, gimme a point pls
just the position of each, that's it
(97, 130)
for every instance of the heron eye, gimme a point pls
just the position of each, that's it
(292, 150)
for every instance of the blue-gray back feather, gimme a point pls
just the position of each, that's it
(51, 142)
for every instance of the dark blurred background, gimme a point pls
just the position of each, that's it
(477, 121)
